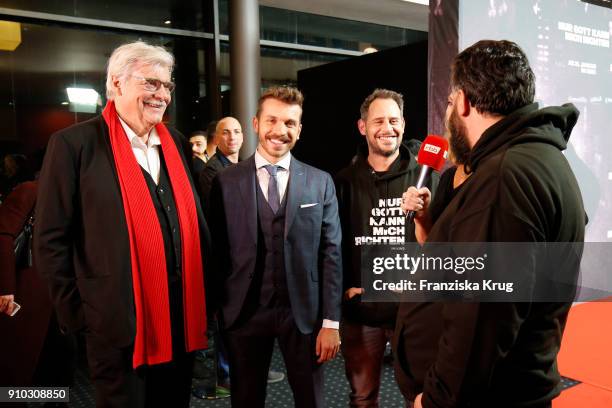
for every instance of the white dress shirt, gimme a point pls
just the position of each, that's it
(147, 155)
(282, 175)
(282, 180)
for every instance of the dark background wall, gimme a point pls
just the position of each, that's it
(334, 92)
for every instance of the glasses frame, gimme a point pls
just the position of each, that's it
(154, 84)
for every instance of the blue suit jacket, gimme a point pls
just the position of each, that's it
(313, 261)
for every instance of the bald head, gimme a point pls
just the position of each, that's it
(228, 135)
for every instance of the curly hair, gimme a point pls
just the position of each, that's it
(495, 76)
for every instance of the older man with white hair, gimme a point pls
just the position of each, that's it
(120, 237)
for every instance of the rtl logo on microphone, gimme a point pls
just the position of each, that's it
(431, 148)
(434, 149)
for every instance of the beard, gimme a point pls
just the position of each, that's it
(459, 146)
(382, 152)
(374, 148)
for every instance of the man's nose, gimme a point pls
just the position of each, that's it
(280, 128)
(163, 93)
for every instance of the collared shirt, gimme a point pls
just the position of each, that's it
(282, 175)
(282, 178)
(147, 155)
(223, 159)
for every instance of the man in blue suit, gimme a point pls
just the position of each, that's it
(277, 232)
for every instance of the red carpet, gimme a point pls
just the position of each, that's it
(586, 351)
(584, 395)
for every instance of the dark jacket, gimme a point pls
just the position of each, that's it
(24, 334)
(499, 354)
(214, 165)
(81, 238)
(313, 262)
(359, 190)
(197, 165)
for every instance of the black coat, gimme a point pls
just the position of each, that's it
(205, 179)
(81, 238)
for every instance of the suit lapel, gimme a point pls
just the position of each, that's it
(249, 196)
(295, 188)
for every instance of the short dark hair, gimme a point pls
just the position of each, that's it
(197, 133)
(380, 93)
(495, 76)
(286, 94)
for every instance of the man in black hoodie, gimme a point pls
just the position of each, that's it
(382, 170)
(519, 189)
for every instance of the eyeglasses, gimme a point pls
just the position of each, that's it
(153, 84)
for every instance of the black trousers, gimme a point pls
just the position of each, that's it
(117, 384)
(250, 343)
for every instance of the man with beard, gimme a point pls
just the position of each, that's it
(428, 209)
(277, 235)
(383, 169)
(520, 189)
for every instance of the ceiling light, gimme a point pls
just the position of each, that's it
(10, 35)
(83, 100)
(423, 2)
(83, 96)
(167, 22)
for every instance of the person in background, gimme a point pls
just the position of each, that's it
(228, 136)
(198, 143)
(120, 235)
(34, 351)
(211, 141)
(14, 169)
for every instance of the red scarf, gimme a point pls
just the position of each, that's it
(153, 343)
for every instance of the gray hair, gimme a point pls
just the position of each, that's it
(125, 58)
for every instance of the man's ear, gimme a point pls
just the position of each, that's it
(116, 84)
(361, 125)
(462, 103)
(299, 132)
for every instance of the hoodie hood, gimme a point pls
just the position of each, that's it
(405, 162)
(552, 125)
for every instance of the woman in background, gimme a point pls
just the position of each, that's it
(32, 349)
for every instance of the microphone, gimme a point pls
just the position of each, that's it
(432, 156)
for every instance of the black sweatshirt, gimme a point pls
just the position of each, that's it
(359, 190)
(499, 354)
